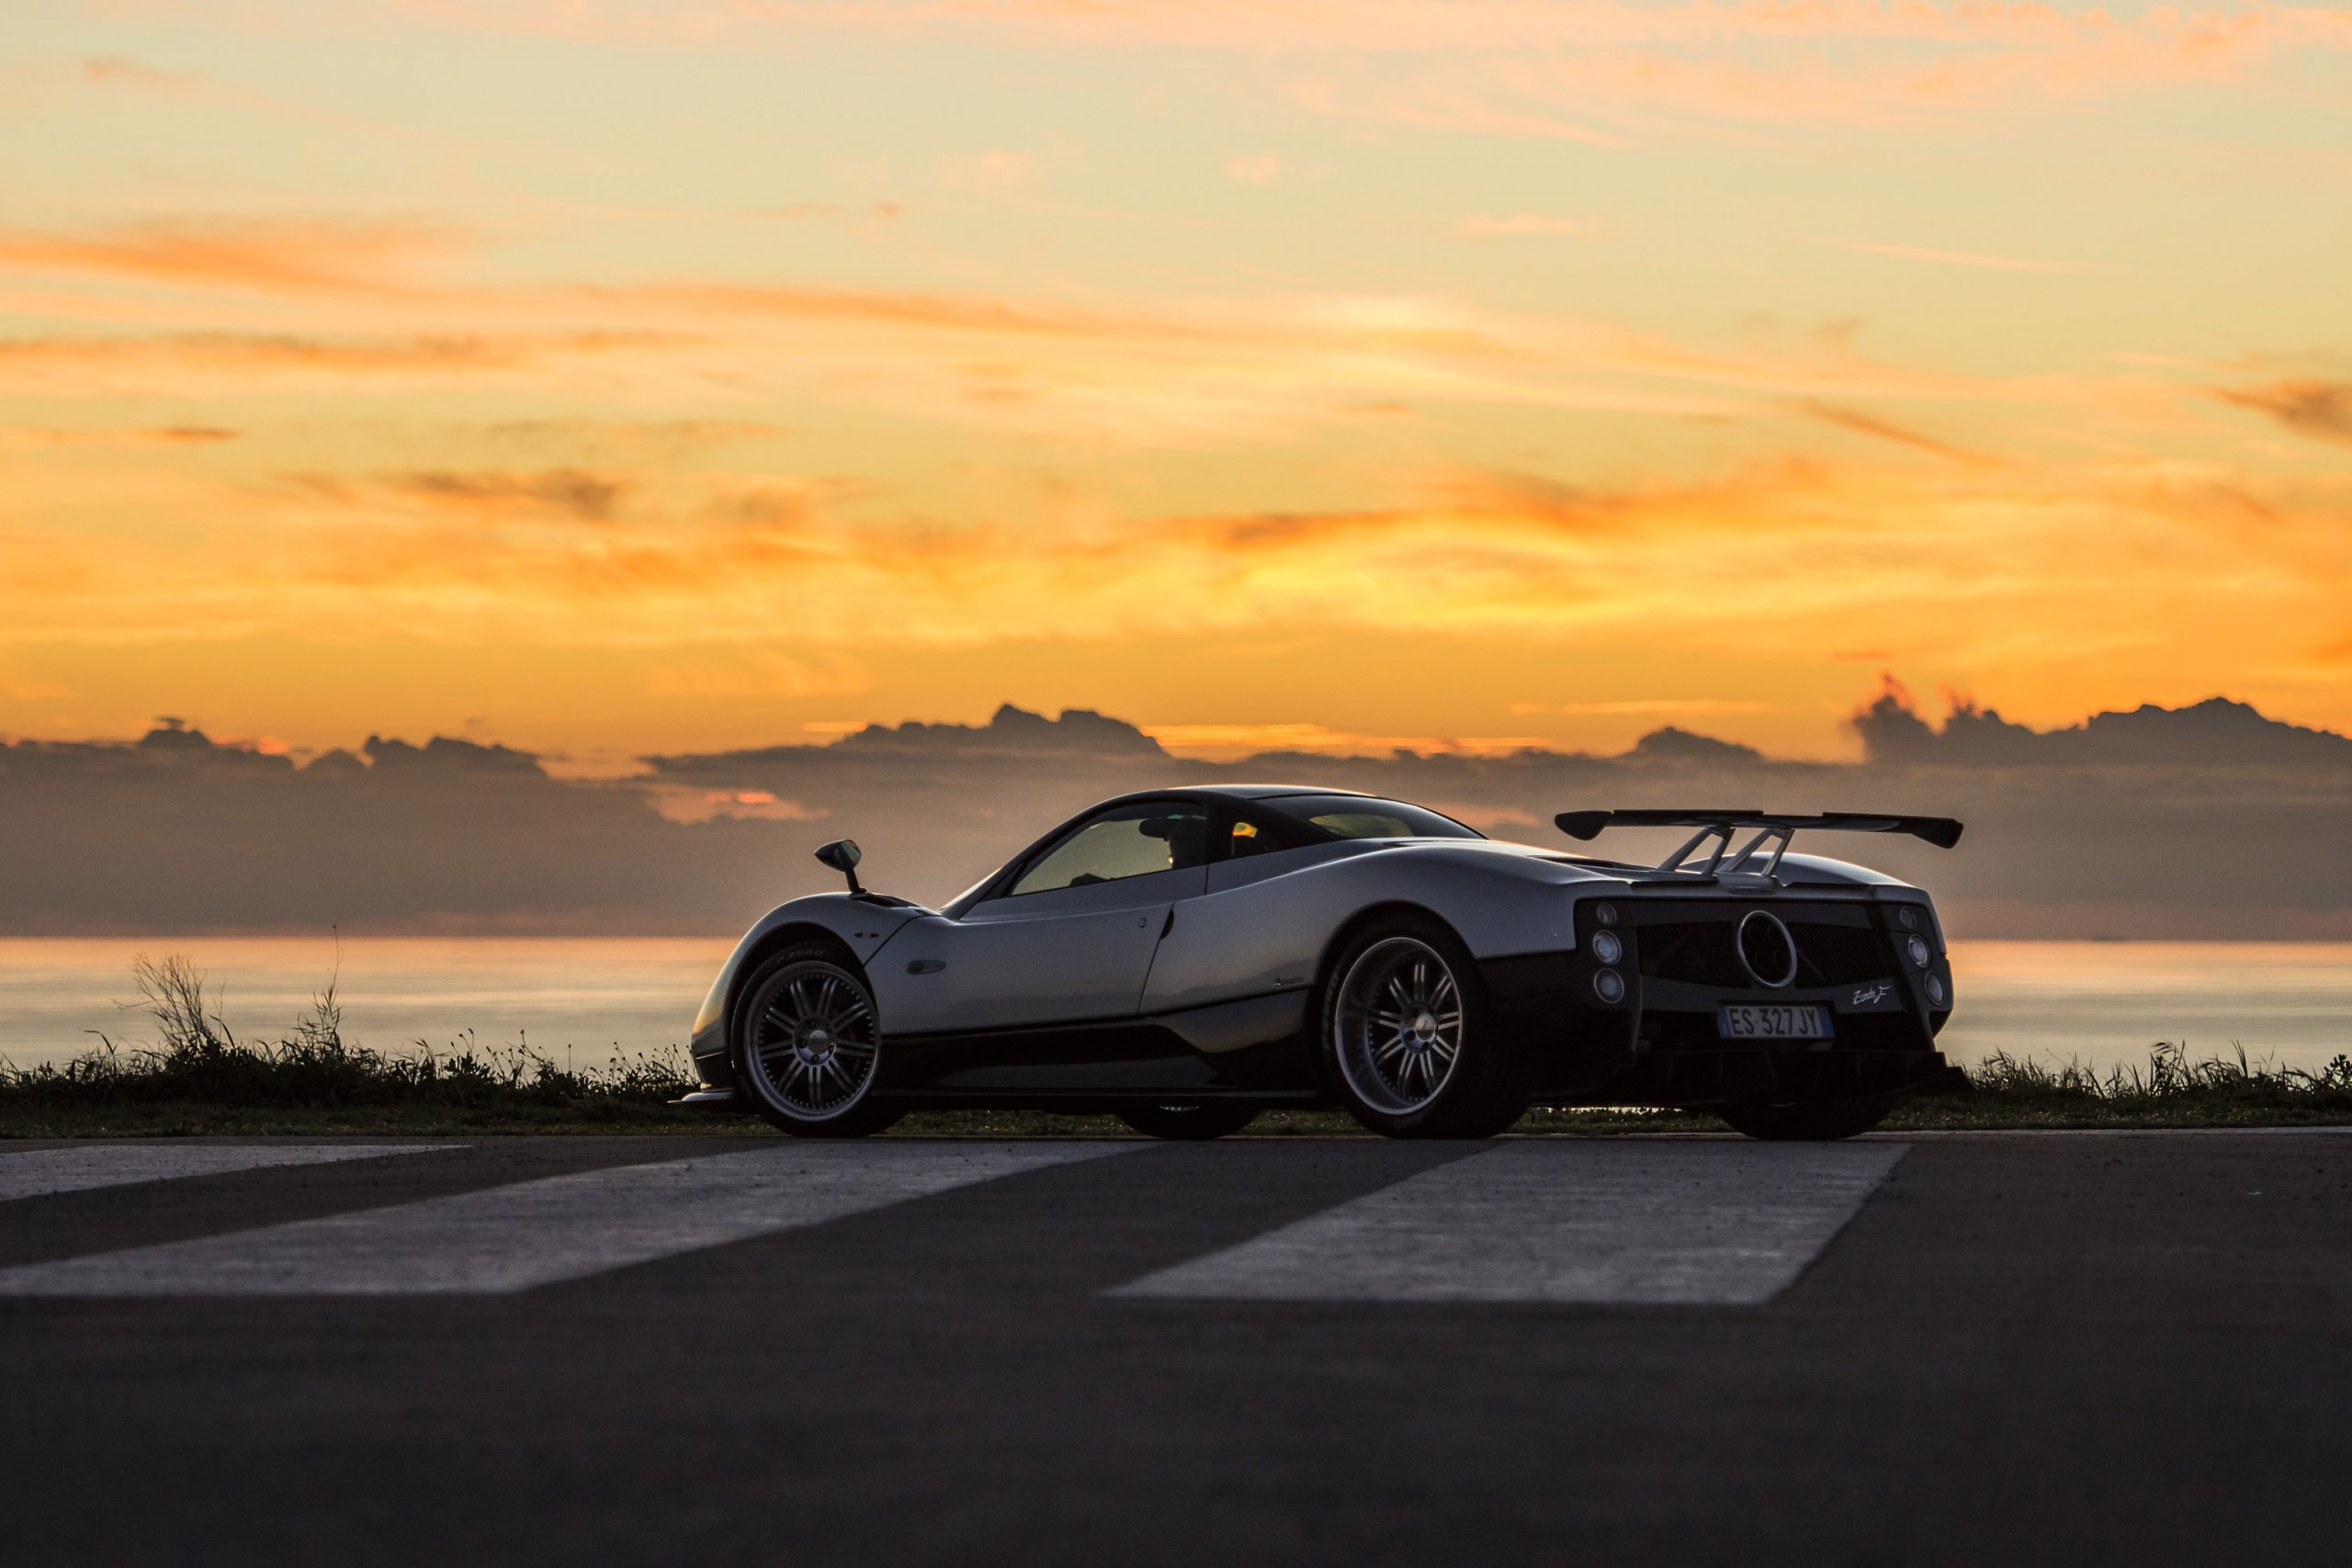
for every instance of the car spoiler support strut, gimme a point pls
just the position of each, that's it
(1772, 828)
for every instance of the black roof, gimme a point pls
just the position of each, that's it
(1231, 792)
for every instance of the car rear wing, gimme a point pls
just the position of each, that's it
(1774, 828)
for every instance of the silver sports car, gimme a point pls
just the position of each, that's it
(1186, 958)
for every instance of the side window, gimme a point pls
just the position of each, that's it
(1244, 836)
(1126, 840)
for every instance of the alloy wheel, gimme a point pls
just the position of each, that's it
(1397, 1025)
(812, 1040)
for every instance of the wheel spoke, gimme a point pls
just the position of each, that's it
(1397, 1025)
(811, 1040)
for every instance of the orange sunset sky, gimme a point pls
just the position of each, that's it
(605, 377)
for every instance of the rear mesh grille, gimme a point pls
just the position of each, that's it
(1706, 953)
(1839, 955)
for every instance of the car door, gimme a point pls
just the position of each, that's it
(1257, 930)
(1070, 937)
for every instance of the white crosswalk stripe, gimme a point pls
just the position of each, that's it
(1567, 1223)
(511, 1238)
(38, 1173)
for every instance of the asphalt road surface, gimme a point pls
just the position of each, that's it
(1985, 1348)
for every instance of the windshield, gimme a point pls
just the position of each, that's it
(1368, 816)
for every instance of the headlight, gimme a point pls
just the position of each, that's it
(1608, 985)
(1936, 989)
(1604, 914)
(1917, 947)
(1907, 917)
(1607, 947)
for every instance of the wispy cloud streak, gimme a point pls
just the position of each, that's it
(1901, 435)
(1957, 258)
(272, 256)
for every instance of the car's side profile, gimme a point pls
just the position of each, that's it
(1185, 958)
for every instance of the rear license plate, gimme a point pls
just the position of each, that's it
(1797, 1022)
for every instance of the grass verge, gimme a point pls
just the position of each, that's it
(200, 1078)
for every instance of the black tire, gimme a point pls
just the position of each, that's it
(807, 1046)
(1809, 1120)
(1185, 1123)
(1475, 1093)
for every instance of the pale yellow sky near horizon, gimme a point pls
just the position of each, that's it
(613, 377)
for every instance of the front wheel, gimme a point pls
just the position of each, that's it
(807, 1043)
(1809, 1120)
(1189, 1122)
(1405, 1039)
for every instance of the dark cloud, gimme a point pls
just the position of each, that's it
(2205, 821)
(2216, 732)
(767, 506)
(589, 497)
(447, 757)
(179, 833)
(1675, 745)
(2314, 408)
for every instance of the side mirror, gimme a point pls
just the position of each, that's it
(843, 856)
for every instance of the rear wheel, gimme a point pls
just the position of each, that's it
(1809, 1120)
(1403, 1037)
(806, 1043)
(1187, 1122)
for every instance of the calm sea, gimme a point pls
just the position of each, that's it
(2103, 1003)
